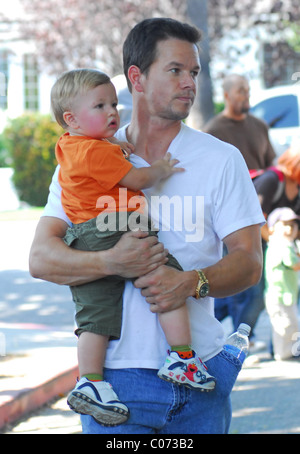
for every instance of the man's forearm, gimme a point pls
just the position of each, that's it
(233, 274)
(241, 268)
(52, 260)
(237, 271)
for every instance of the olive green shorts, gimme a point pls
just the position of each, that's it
(99, 303)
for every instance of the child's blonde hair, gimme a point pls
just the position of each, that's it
(69, 85)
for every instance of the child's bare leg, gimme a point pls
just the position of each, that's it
(176, 326)
(91, 354)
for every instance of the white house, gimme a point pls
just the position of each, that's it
(22, 86)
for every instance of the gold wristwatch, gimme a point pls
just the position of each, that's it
(202, 289)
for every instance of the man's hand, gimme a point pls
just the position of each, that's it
(136, 254)
(51, 259)
(166, 288)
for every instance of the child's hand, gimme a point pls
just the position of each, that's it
(166, 166)
(127, 147)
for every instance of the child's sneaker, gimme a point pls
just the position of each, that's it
(190, 372)
(99, 400)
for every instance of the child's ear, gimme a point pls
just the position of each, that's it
(70, 119)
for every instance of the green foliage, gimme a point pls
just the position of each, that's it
(294, 39)
(219, 107)
(5, 160)
(30, 141)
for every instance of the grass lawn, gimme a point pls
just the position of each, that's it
(23, 214)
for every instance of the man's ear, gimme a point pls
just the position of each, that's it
(226, 96)
(135, 75)
(70, 119)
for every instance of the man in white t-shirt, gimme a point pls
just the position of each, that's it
(212, 201)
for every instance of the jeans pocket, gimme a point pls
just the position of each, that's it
(231, 358)
(229, 367)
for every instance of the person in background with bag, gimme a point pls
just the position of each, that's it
(276, 187)
(279, 187)
(235, 125)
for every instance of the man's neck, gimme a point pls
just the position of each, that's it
(233, 115)
(152, 137)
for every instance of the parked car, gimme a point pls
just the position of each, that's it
(279, 107)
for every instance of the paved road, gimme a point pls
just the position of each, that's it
(265, 399)
(34, 313)
(38, 314)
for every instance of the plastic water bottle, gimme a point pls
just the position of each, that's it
(238, 343)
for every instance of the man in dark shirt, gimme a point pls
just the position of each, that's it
(236, 126)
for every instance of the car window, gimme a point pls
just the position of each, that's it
(278, 112)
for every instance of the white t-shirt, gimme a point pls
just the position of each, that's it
(215, 194)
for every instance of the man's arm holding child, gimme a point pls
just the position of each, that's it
(52, 260)
(239, 269)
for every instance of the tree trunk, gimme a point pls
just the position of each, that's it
(203, 108)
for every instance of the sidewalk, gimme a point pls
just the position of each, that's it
(38, 355)
(31, 379)
(265, 399)
(40, 366)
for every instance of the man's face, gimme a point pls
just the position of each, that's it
(170, 84)
(238, 97)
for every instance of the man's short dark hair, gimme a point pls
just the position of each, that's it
(140, 46)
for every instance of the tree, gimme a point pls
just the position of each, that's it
(76, 33)
(272, 23)
(203, 109)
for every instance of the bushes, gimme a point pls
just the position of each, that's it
(30, 141)
(5, 160)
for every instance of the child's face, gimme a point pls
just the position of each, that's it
(288, 229)
(95, 112)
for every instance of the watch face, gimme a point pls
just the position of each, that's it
(204, 290)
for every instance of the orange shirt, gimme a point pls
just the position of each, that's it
(90, 169)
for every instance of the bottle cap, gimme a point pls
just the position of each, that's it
(244, 327)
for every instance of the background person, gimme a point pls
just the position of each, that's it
(249, 134)
(277, 186)
(282, 263)
(237, 126)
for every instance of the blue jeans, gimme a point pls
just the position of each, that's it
(244, 307)
(159, 407)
